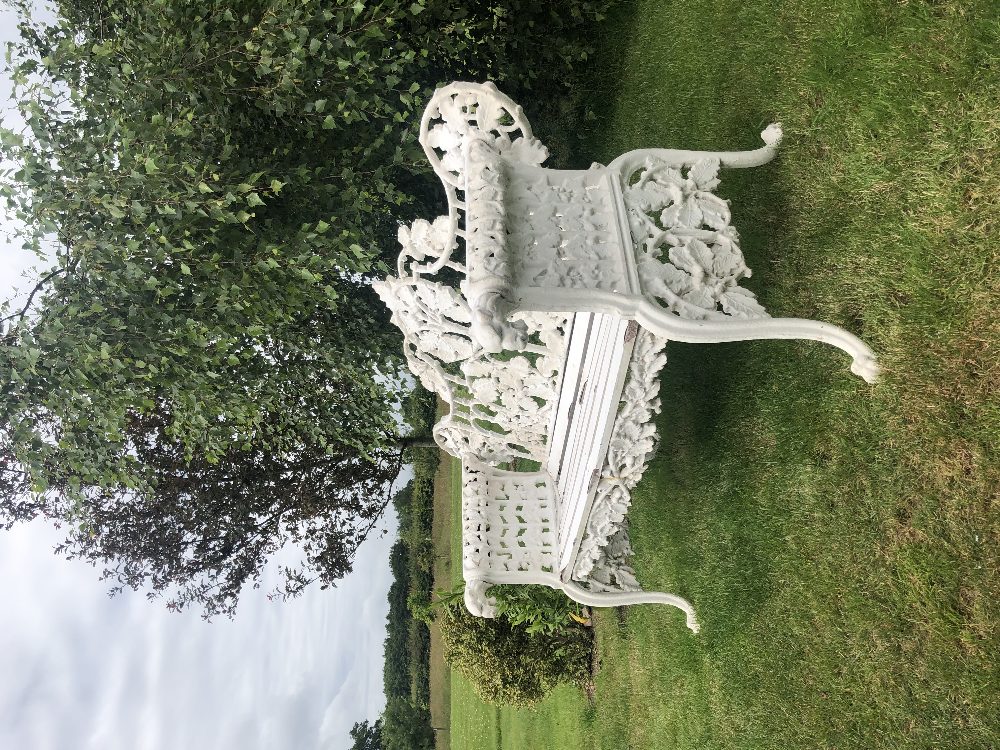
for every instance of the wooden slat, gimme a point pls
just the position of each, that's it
(593, 434)
(572, 479)
(594, 374)
(578, 334)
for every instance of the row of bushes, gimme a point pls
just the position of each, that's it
(406, 721)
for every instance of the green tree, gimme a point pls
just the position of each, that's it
(367, 736)
(509, 664)
(203, 373)
(406, 726)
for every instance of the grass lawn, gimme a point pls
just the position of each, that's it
(838, 540)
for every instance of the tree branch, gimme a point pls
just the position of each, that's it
(24, 310)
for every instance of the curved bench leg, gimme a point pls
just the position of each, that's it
(632, 160)
(670, 326)
(617, 599)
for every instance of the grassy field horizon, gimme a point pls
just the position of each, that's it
(838, 540)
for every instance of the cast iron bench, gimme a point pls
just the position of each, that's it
(549, 350)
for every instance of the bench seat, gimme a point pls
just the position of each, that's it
(597, 357)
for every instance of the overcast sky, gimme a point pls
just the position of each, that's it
(81, 671)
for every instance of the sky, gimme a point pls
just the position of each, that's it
(82, 671)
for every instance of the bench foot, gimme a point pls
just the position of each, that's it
(670, 326)
(618, 599)
(772, 134)
(476, 600)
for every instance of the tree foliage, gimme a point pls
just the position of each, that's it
(396, 674)
(203, 373)
(406, 726)
(367, 736)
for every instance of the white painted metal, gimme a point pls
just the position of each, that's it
(508, 536)
(532, 355)
(576, 351)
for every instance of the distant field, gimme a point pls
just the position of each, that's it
(839, 541)
(440, 672)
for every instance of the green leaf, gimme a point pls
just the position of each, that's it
(10, 138)
(150, 165)
(276, 185)
(328, 123)
(253, 199)
(322, 226)
(185, 269)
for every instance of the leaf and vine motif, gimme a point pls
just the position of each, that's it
(688, 252)
(435, 320)
(463, 112)
(501, 404)
(506, 403)
(425, 241)
(602, 558)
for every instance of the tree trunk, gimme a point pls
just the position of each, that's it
(417, 441)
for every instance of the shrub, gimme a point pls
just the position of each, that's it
(535, 52)
(506, 664)
(539, 609)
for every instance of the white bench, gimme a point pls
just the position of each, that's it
(571, 283)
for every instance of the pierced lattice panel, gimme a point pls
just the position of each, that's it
(563, 229)
(508, 521)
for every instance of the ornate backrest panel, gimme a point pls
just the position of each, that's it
(508, 522)
(501, 404)
(504, 409)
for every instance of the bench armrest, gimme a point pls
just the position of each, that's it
(489, 282)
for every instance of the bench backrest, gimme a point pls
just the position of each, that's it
(501, 404)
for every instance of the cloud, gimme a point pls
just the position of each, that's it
(85, 672)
